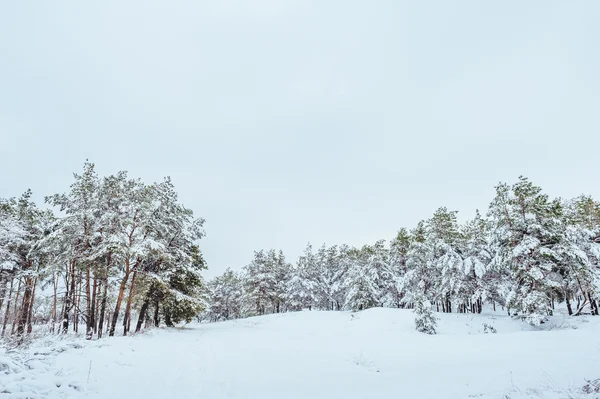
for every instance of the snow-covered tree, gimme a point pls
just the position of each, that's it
(425, 319)
(304, 286)
(361, 281)
(225, 301)
(527, 230)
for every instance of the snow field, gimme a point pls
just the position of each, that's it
(370, 354)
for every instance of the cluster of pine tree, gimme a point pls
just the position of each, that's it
(527, 255)
(115, 248)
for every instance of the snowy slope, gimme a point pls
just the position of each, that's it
(370, 354)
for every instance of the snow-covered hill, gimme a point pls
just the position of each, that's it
(370, 354)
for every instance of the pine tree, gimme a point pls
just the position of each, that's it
(361, 282)
(425, 320)
(418, 280)
(527, 230)
(481, 280)
(304, 286)
(226, 293)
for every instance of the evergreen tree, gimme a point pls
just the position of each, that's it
(361, 282)
(527, 230)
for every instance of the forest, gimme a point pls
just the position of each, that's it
(114, 251)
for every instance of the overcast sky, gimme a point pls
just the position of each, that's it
(284, 122)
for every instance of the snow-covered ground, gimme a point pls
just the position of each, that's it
(370, 354)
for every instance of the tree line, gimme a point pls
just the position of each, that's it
(113, 247)
(115, 251)
(527, 254)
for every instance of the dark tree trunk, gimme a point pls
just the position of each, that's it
(115, 316)
(89, 305)
(593, 305)
(156, 313)
(24, 312)
(142, 315)
(69, 300)
(168, 320)
(77, 313)
(103, 307)
(127, 314)
(94, 309)
(31, 302)
(569, 308)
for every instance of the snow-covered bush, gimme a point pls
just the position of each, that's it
(425, 320)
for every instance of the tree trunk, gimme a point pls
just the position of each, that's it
(77, 312)
(69, 300)
(128, 306)
(96, 304)
(142, 315)
(103, 308)
(89, 319)
(16, 307)
(156, 314)
(27, 297)
(115, 316)
(168, 320)
(3, 294)
(54, 302)
(24, 311)
(593, 306)
(569, 308)
(7, 312)
(31, 302)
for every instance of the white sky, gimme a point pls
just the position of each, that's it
(283, 122)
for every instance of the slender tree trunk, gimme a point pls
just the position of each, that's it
(3, 294)
(24, 312)
(96, 303)
(88, 305)
(31, 302)
(156, 313)
(142, 315)
(103, 308)
(16, 307)
(54, 302)
(78, 311)
(569, 307)
(69, 299)
(127, 314)
(115, 316)
(168, 320)
(7, 312)
(593, 306)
